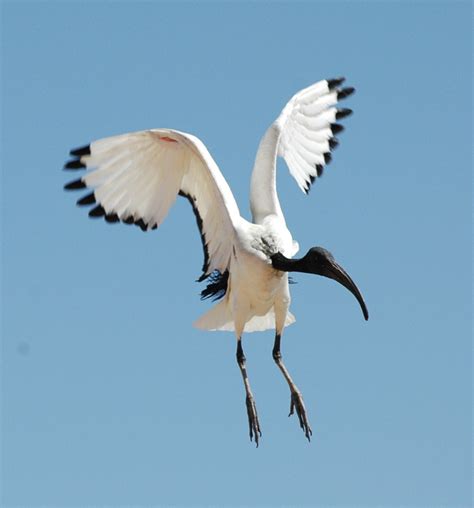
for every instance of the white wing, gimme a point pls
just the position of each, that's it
(137, 176)
(304, 135)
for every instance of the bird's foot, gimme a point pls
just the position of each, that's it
(254, 424)
(298, 404)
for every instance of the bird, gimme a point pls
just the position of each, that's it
(135, 178)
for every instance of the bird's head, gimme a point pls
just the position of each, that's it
(321, 262)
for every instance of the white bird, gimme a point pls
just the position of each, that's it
(136, 178)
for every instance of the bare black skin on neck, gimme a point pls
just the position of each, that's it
(320, 262)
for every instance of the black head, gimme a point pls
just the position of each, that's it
(318, 258)
(321, 262)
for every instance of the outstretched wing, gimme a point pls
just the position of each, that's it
(136, 177)
(304, 135)
(308, 127)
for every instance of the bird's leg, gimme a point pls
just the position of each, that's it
(254, 424)
(296, 396)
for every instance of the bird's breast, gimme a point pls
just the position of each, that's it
(253, 278)
(256, 283)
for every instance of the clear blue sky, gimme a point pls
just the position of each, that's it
(109, 396)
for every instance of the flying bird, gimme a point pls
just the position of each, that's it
(135, 178)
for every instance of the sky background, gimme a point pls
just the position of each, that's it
(109, 396)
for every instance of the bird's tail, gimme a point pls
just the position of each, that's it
(220, 318)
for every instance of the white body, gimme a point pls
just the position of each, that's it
(136, 178)
(256, 293)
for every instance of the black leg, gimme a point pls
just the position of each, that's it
(296, 397)
(254, 424)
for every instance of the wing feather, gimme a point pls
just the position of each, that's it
(307, 127)
(136, 178)
(311, 146)
(303, 135)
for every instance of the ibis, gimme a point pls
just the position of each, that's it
(135, 178)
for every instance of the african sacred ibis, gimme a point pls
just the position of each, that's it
(136, 177)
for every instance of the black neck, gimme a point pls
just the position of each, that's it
(280, 262)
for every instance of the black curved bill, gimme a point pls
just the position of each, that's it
(337, 273)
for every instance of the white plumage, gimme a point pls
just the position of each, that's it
(136, 178)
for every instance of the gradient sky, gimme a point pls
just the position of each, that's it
(109, 396)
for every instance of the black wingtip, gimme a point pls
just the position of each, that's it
(336, 128)
(75, 185)
(98, 211)
(112, 218)
(129, 220)
(345, 92)
(82, 150)
(141, 224)
(327, 157)
(86, 200)
(319, 169)
(335, 82)
(333, 143)
(343, 112)
(74, 164)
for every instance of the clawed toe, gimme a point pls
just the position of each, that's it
(298, 404)
(254, 424)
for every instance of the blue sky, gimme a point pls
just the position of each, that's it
(109, 396)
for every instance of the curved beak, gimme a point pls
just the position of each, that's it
(336, 272)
